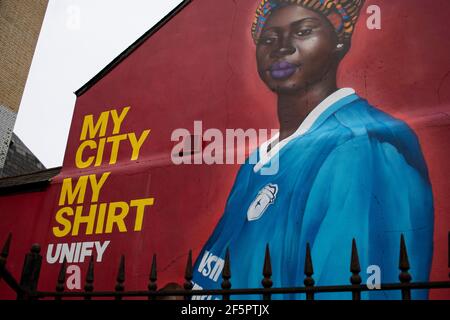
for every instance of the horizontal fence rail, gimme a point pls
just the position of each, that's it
(26, 289)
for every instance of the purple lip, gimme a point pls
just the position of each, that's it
(282, 70)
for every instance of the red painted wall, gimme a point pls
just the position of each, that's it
(201, 66)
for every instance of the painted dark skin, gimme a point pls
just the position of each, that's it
(298, 56)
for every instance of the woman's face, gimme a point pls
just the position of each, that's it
(297, 48)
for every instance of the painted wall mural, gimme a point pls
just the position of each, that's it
(310, 122)
(344, 169)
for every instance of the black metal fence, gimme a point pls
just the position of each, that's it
(27, 288)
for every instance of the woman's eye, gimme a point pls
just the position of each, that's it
(267, 40)
(304, 32)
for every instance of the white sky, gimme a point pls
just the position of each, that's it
(78, 39)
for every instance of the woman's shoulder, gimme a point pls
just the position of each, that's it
(362, 118)
(376, 126)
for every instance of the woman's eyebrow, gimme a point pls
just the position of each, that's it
(301, 21)
(293, 24)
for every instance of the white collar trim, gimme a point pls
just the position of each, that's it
(304, 127)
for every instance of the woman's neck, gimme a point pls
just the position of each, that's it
(294, 108)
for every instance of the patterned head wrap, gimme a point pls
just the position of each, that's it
(342, 14)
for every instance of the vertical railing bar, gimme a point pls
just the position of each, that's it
(355, 269)
(267, 274)
(120, 278)
(188, 275)
(152, 285)
(60, 282)
(89, 283)
(309, 271)
(30, 273)
(405, 276)
(4, 254)
(226, 276)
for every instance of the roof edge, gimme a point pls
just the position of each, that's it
(29, 182)
(106, 70)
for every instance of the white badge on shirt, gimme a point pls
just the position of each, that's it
(263, 200)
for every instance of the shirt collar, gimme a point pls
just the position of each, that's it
(304, 127)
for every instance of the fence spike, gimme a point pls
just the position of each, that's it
(354, 265)
(355, 269)
(188, 275)
(153, 271)
(188, 271)
(152, 285)
(405, 276)
(226, 275)
(6, 246)
(267, 273)
(60, 282)
(35, 248)
(30, 272)
(120, 278)
(404, 260)
(5, 251)
(267, 270)
(89, 283)
(309, 271)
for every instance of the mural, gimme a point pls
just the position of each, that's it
(314, 122)
(345, 169)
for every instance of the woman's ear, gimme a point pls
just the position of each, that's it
(342, 47)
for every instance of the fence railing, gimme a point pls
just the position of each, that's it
(27, 288)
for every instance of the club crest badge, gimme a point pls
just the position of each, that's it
(263, 200)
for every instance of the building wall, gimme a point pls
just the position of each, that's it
(7, 120)
(20, 25)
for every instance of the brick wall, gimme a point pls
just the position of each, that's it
(20, 25)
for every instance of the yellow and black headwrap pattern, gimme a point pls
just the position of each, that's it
(343, 14)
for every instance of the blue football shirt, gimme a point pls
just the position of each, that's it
(350, 172)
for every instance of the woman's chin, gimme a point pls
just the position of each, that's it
(285, 88)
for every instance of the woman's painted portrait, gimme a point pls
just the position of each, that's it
(346, 169)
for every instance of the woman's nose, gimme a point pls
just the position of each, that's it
(285, 49)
